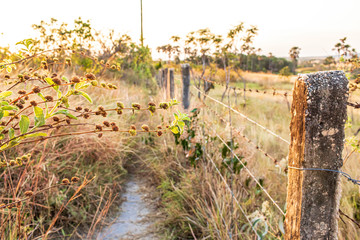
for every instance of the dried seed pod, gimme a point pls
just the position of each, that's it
(145, 128)
(36, 89)
(106, 123)
(75, 79)
(29, 193)
(115, 128)
(159, 133)
(49, 98)
(133, 127)
(78, 108)
(100, 135)
(22, 92)
(120, 105)
(94, 83)
(164, 105)
(75, 179)
(136, 106)
(56, 119)
(19, 105)
(98, 128)
(90, 76)
(65, 181)
(68, 121)
(57, 81)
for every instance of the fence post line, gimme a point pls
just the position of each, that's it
(164, 77)
(317, 139)
(172, 84)
(185, 73)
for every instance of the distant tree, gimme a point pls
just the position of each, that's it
(342, 48)
(285, 72)
(294, 55)
(328, 61)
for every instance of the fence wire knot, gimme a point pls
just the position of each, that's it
(344, 174)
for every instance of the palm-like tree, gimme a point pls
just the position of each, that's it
(294, 55)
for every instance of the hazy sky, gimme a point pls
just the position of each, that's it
(313, 25)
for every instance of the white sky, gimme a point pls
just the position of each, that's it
(313, 25)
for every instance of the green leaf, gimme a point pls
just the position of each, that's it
(38, 134)
(174, 129)
(81, 85)
(24, 124)
(8, 107)
(5, 94)
(65, 112)
(11, 133)
(39, 116)
(85, 95)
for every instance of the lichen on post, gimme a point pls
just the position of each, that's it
(317, 140)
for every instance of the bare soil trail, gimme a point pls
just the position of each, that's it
(137, 217)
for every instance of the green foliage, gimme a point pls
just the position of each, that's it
(285, 72)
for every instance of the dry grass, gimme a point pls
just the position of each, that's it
(196, 201)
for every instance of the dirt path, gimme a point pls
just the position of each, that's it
(136, 217)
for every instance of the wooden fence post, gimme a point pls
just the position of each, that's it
(317, 139)
(185, 72)
(158, 77)
(172, 84)
(165, 78)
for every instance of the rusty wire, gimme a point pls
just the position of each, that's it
(354, 105)
(272, 91)
(246, 138)
(251, 175)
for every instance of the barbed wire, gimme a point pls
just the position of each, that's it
(246, 138)
(251, 175)
(354, 105)
(244, 116)
(344, 174)
(348, 217)
(232, 193)
(272, 91)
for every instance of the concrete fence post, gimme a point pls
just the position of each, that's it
(185, 72)
(171, 83)
(317, 139)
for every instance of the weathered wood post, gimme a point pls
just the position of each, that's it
(158, 77)
(317, 139)
(165, 78)
(171, 83)
(185, 72)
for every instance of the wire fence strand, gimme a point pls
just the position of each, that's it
(251, 175)
(232, 194)
(245, 117)
(257, 147)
